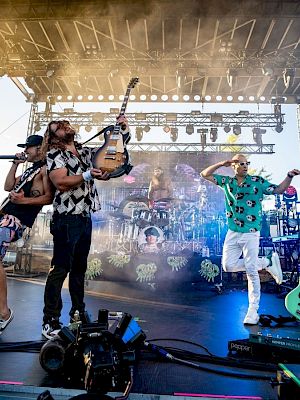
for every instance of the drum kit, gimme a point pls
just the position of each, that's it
(180, 223)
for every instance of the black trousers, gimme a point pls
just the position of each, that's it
(72, 241)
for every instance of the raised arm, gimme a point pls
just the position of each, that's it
(208, 172)
(281, 188)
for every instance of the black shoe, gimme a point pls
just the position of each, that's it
(51, 328)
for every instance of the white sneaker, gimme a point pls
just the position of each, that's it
(275, 268)
(4, 323)
(252, 317)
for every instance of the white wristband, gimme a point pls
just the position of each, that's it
(87, 175)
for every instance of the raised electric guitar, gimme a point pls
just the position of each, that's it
(292, 302)
(113, 156)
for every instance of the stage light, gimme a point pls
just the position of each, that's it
(164, 97)
(180, 78)
(100, 97)
(37, 127)
(166, 129)
(175, 97)
(227, 128)
(240, 98)
(174, 134)
(50, 73)
(88, 128)
(121, 97)
(229, 98)
(267, 70)
(213, 134)
(153, 97)
(277, 110)
(236, 129)
(80, 97)
(138, 133)
(207, 98)
(58, 98)
(257, 137)
(90, 97)
(146, 128)
(203, 139)
(189, 129)
(219, 98)
(262, 98)
(288, 77)
(132, 97)
(251, 98)
(231, 75)
(140, 117)
(279, 128)
(143, 97)
(216, 118)
(197, 97)
(69, 97)
(111, 97)
(186, 97)
(171, 117)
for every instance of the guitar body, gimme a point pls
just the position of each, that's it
(113, 157)
(292, 302)
(109, 159)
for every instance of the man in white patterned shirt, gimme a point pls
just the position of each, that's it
(71, 171)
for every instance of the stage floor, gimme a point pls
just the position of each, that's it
(192, 313)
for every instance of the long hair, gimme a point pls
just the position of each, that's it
(53, 142)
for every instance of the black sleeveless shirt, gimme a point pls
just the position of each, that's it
(26, 213)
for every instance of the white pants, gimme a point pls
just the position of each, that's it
(236, 244)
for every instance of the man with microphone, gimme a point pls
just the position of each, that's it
(28, 193)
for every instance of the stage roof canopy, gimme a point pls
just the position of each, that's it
(194, 50)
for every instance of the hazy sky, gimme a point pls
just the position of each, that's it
(14, 115)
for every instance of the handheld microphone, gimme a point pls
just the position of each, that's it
(12, 157)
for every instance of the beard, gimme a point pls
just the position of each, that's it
(68, 138)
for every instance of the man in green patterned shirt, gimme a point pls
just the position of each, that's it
(243, 196)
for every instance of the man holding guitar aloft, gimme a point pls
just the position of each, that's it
(28, 193)
(70, 168)
(243, 196)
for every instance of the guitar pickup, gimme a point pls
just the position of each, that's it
(107, 157)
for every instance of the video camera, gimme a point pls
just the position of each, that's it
(98, 354)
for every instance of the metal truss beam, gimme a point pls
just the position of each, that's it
(244, 119)
(198, 148)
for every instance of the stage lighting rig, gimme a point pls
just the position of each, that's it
(213, 134)
(237, 130)
(100, 354)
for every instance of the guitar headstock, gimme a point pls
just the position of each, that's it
(133, 82)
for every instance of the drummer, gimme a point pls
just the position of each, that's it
(160, 190)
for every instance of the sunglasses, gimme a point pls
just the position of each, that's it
(242, 163)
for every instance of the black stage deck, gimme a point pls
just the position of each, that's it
(196, 314)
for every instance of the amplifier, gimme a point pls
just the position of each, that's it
(286, 343)
(266, 348)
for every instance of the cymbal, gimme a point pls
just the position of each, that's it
(120, 215)
(136, 198)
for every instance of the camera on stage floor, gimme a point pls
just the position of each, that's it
(99, 354)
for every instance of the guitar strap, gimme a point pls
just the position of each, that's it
(27, 176)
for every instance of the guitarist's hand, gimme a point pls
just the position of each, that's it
(98, 174)
(16, 197)
(122, 120)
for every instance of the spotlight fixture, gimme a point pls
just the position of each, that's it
(180, 78)
(279, 128)
(227, 128)
(213, 134)
(138, 133)
(174, 134)
(88, 128)
(267, 70)
(203, 133)
(288, 77)
(189, 129)
(231, 75)
(237, 130)
(257, 135)
(166, 129)
(146, 128)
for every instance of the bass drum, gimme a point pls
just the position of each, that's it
(132, 204)
(142, 236)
